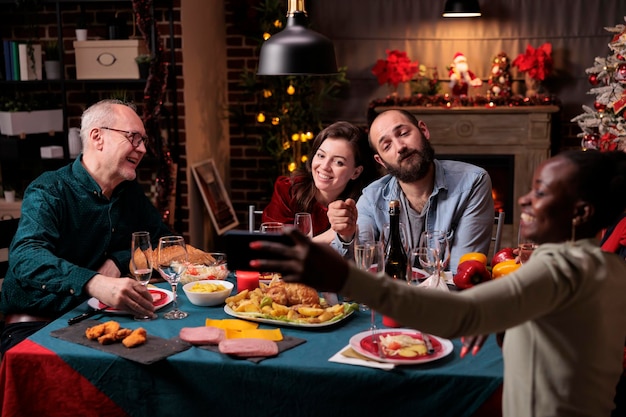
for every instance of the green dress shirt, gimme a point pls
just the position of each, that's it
(67, 229)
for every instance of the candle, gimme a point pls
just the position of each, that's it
(247, 280)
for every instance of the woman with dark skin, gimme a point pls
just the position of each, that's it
(564, 310)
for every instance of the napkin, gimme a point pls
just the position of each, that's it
(348, 356)
(288, 342)
(155, 349)
(433, 282)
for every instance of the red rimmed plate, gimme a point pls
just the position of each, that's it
(363, 343)
(160, 298)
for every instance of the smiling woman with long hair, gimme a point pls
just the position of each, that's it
(340, 163)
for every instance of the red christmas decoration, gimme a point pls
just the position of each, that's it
(593, 79)
(599, 106)
(620, 73)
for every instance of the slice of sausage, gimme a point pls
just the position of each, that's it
(205, 335)
(248, 347)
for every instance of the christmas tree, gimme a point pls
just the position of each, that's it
(604, 127)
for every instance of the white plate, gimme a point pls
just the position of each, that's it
(359, 342)
(255, 317)
(165, 297)
(446, 274)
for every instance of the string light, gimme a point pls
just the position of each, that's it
(291, 90)
(292, 166)
(260, 117)
(275, 121)
(266, 36)
(295, 137)
(267, 93)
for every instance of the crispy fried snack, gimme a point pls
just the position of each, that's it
(99, 330)
(136, 338)
(113, 337)
(290, 294)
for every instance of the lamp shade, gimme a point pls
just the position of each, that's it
(461, 8)
(297, 50)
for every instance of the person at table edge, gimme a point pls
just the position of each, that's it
(564, 309)
(434, 194)
(338, 166)
(74, 234)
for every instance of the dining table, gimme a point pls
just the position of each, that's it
(49, 376)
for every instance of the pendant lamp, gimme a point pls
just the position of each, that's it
(461, 8)
(297, 50)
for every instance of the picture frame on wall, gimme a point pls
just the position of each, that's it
(214, 195)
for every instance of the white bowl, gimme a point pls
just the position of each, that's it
(208, 298)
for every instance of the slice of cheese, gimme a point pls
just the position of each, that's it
(267, 334)
(233, 324)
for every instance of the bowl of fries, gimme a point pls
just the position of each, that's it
(208, 292)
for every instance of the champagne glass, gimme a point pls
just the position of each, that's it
(172, 263)
(141, 262)
(304, 223)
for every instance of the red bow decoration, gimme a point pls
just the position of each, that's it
(537, 62)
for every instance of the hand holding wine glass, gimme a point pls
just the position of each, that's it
(141, 262)
(173, 261)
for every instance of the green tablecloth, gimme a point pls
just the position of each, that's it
(298, 382)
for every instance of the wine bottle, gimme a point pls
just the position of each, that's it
(396, 259)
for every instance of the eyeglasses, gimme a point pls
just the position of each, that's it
(135, 138)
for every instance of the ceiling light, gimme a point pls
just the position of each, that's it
(461, 8)
(297, 50)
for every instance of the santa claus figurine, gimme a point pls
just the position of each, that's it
(461, 77)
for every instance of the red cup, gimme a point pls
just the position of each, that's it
(247, 280)
(389, 322)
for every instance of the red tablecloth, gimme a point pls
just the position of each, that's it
(34, 381)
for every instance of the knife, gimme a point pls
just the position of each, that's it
(428, 343)
(86, 315)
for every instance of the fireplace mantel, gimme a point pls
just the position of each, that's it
(524, 132)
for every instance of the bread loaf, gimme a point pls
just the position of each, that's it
(195, 256)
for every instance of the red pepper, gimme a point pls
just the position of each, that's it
(470, 273)
(502, 255)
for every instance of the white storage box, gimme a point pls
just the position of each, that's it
(105, 60)
(27, 122)
(51, 152)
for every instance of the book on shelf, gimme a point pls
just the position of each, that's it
(8, 59)
(15, 59)
(30, 64)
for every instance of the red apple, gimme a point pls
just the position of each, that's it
(502, 255)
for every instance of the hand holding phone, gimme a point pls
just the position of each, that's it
(236, 244)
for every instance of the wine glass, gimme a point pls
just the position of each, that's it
(172, 261)
(423, 258)
(525, 247)
(437, 240)
(364, 247)
(272, 227)
(304, 223)
(141, 262)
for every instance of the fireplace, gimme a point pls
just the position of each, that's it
(499, 139)
(501, 169)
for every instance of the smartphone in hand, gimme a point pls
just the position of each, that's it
(236, 245)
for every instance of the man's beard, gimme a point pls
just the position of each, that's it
(418, 168)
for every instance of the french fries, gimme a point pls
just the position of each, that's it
(258, 303)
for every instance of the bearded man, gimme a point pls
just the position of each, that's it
(451, 196)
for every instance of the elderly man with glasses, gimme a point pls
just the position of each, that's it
(74, 235)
